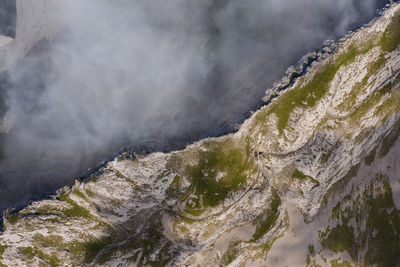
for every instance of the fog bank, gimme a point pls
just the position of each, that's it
(123, 71)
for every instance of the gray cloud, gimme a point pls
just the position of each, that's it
(124, 70)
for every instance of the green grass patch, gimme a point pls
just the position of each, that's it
(231, 254)
(307, 96)
(153, 248)
(391, 37)
(53, 241)
(79, 194)
(377, 225)
(81, 251)
(311, 249)
(371, 102)
(341, 238)
(31, 252)
(266, 221)
(336, 213)
(266, 247)
(46, 209)
(390, 106)
(93, 178)
(351, 99)
(220, 170)
(174, 189)
(76, 210)
(340, 184)
(383, 227)
(340, 263)
(2, 249)
(92, 248)
(374, 67)
(389, 141)
(90, 193)
(12, 219)
(369, 159)
(84, 251)
(120, 175)
(302, 177)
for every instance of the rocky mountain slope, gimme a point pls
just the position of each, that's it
(312, 179)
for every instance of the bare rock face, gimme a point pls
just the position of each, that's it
(310, 179)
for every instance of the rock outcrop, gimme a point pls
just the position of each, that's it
(310, 179)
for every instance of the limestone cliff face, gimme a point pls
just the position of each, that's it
(310, 179)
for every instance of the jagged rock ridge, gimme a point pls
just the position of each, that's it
(311, 179)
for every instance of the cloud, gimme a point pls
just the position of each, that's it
(126, 70)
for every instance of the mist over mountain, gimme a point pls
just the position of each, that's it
(125, 71)
(309, 179)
